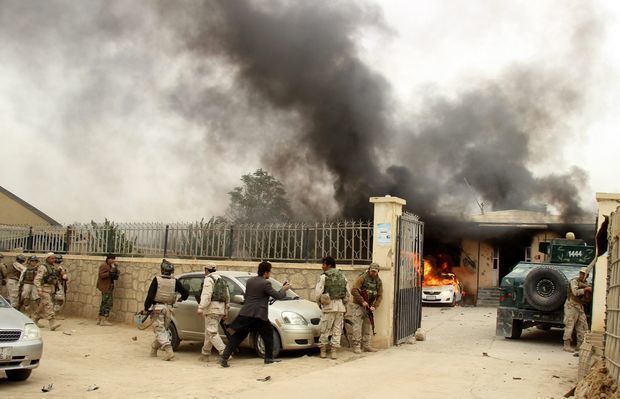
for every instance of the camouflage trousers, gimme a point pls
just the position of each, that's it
(361, 329)
(46, 306)
(30, 300)
(575, 319)
(12, 287)
(59, 299)
(106, 302)
(212, 334)
(161, 321)
(331, 325)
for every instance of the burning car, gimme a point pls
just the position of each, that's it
(440, 286)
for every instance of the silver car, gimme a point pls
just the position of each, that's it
(20, 343)
(295, 320)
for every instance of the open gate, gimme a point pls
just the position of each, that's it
(409, 273)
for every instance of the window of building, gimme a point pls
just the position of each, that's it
(528, 254)
(495, 258)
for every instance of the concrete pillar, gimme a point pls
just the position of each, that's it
(386, 213)
(607, 203)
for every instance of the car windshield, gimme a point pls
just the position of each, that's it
(4, 303)
(274, 283)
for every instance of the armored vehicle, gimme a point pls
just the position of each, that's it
(533, 294)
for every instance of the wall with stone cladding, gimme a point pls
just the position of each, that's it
(83, 298)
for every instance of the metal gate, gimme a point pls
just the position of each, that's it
(409, 272)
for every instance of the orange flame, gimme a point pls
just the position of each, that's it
(437, 275)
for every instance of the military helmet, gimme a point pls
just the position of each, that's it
(167, 268)
(20, 258)
(33, 258)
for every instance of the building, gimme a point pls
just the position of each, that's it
(16, 211)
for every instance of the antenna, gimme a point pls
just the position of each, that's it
(473, 192)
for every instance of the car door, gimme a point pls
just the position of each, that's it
(234, 289)
(189, 325)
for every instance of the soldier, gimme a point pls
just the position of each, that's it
(574, 316)
(3, 272)
(159, 300)
(61, 291)
(28, 291)
(105, 284)
(367, 293)
(214, 304)
(13, 272)
(45, 281)
(332, 294)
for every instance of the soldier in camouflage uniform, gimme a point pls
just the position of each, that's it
(574, 316)
(45, 281)
(13, 272)
(3, 272)
(332, 295)
(61, 288)
(159, 300)
(214, 304)
(28, 291)
(369, 285)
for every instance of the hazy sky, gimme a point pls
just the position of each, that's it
(94, 101)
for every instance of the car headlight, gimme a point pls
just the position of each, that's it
(31, 331)
(293, 318)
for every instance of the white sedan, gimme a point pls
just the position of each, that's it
(449, 294)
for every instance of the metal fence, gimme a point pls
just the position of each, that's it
(347, 241)
(612, 321)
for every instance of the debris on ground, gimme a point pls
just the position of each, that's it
(47, 388)
(517, 378)
(86, 355)
(420, 335)
(67, 332)
(264, 379)
(134, 338)
(92, 387)
(596, 384)
(485, 354)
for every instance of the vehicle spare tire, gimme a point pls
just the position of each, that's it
(545, 288)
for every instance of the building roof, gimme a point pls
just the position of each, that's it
(521, 218)
(28, 206)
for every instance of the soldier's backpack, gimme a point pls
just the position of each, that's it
(220, 290)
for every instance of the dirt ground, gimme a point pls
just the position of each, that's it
(461, 358)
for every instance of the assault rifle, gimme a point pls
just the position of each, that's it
(369, 314)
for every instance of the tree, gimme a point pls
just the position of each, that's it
(261, 199)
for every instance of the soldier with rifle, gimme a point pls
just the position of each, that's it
(574, 316)
(61, 288)
(367, 293)
(13, 271)
(28, 294)
(46, 281)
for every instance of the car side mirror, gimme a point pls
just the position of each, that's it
(239, 299)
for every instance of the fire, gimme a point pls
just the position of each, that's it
(436, 275)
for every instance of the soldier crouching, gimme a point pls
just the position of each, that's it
(159, 300)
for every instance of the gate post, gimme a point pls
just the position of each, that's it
(384, 244)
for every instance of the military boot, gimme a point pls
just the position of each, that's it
(357, 349)
(169, 353)
(323, 352)
(154, 347)
(54, 324)
(334, 353)
(99, 320)
(368, 348)
(567, 346)
(37, 321)
(105, 322)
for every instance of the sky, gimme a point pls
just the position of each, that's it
(94, 103)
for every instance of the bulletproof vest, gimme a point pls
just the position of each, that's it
(29, 275)
(574, 298)
(220, 289)
(335, 284)
(371, 286)
(50, 277)
(12, 272)
(165, 290)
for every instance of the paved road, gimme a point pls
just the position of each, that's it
(450, 364)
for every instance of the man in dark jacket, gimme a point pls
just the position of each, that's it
(253, 316)
(105, 284)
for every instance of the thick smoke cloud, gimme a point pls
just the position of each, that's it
(172, 98)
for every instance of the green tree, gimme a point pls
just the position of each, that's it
(261, 199)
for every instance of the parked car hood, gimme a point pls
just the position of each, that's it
(437, 287)
(12, 319)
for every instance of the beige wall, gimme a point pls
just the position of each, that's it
(83, 298)
(12, 212)
(607, 203)
(539, 257)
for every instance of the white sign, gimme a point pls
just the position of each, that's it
(384, 233)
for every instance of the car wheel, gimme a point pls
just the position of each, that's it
(544, 327)
(545, 288)
(174, 336)
(453, 303)
(259, 344)
(18, 375)
(517, 329)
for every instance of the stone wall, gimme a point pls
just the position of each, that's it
(83, 298)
